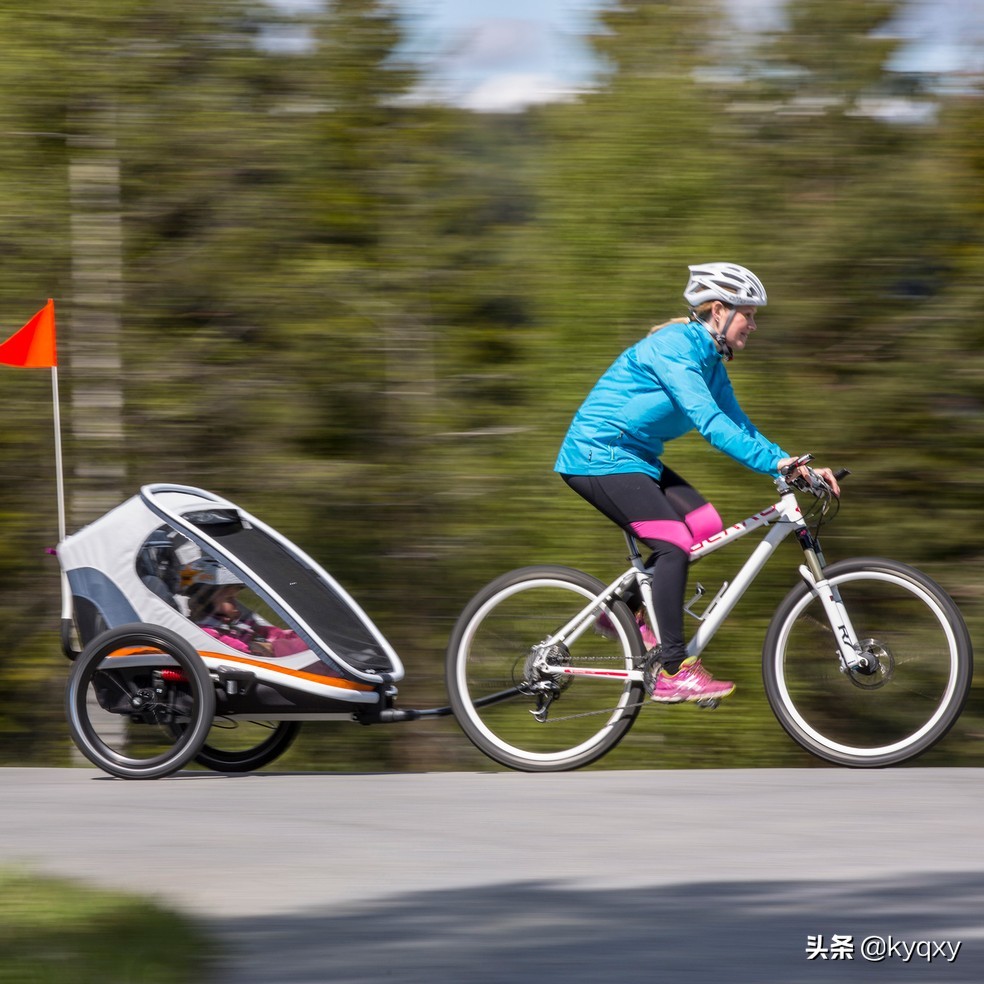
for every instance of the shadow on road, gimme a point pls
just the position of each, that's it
(714, 932)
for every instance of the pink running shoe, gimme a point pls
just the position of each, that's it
(648, 639)
(691, 682)
(605, 627)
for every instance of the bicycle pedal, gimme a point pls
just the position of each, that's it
(710, 703)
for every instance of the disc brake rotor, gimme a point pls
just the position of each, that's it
(879, 667)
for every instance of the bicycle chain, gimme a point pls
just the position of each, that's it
(650, 704)
(603, 710)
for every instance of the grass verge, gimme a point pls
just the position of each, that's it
(53, 931)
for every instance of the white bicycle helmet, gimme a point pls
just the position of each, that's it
(727, 282)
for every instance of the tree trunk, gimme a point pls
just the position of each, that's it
(98, 471)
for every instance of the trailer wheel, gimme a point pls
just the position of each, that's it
(139, 702)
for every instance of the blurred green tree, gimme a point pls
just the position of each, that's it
(283, 276)
(789, 153)
(296, 251)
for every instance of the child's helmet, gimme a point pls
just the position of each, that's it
(206, 572)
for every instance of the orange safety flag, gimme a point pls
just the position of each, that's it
(33, 346)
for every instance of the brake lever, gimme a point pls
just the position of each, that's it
(813, 484)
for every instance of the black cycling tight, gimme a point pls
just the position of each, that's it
(668, 515)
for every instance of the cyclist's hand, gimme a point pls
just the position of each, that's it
(828, 476)
(797, 468)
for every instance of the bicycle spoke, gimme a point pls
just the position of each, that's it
(896, 707)
(554, 721)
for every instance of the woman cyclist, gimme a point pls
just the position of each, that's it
(671, 382)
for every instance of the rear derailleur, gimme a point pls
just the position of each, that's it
(546, 687)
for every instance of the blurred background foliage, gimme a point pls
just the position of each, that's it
(369, 318)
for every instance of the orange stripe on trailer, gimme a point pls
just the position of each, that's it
(134, 651)
(331, 681)
(300, 674)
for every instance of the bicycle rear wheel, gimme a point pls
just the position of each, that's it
(911, 692)
(497, 694)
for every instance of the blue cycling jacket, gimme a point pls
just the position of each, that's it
(672, 382)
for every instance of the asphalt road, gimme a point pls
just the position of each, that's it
(453, 878)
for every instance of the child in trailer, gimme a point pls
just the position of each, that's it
(211, 590)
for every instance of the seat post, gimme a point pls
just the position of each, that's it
(635, 558)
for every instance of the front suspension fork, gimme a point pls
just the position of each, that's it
(812, 571)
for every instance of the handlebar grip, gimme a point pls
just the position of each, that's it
(803, 459)
(842, 473)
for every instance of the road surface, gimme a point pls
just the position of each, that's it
(776, 876)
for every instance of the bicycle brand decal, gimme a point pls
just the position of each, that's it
(747, 524)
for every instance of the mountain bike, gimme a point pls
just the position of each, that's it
(867, 662)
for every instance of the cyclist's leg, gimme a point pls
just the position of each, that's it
(639, 504)
(701, 517)
(702, 520)
(672, 556)
(668, 516)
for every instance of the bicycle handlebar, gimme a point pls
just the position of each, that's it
(812, 482)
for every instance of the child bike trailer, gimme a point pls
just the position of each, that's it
(206, 635)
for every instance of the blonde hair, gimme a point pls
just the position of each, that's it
(699, 311)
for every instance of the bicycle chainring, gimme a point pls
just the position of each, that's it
(650, 669)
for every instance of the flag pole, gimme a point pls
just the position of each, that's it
(67, 606)
(59, 474)
(34, 347)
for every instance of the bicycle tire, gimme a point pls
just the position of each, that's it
(278, 740)
(900, 706)
(142, 719)
(487, 664)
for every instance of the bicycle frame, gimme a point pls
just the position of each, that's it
(784, 518)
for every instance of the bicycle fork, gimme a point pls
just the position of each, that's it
(853, 655)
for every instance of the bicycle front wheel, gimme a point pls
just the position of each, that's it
(912, 688)
(519, 715)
